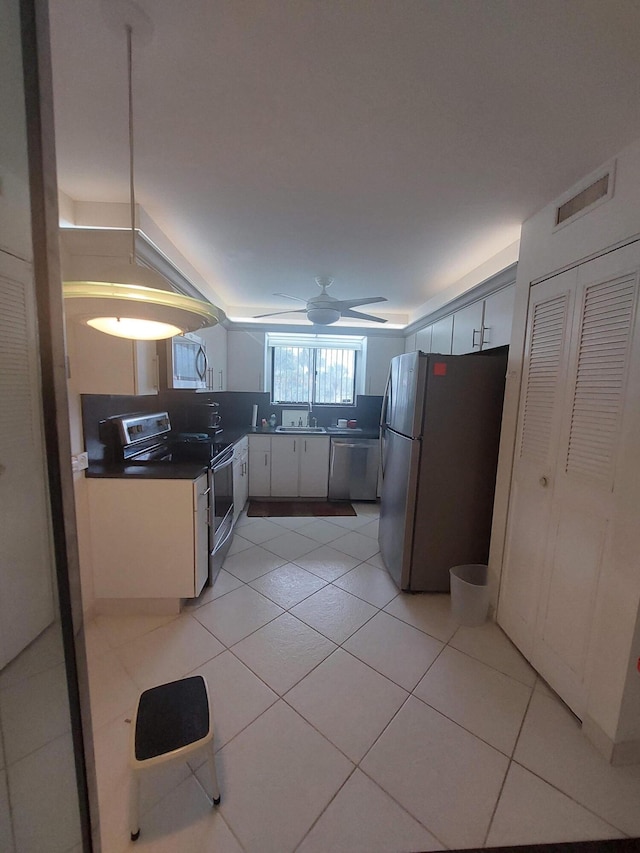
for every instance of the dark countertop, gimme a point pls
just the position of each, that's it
(337, 432)
(159, 471)
(192, 470)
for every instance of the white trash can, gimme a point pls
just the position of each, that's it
(470, 594)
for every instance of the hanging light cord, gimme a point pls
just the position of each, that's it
(132, 195)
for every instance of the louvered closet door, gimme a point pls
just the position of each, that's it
(579, 540)
(543, 381)
(26, 565)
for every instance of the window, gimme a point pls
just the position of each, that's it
(314, 368)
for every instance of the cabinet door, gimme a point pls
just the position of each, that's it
(145, 367)
(240, 477)
(441, 336)
(215, 338)
(244, 481)
(245, 361)
(104, 364)
(423, 339)
(498, 318)
(201, 496)
(285, 450)
(142, 538)
(314, 466)
(467, 329)
(238, 467)
(259, 465)
(380, 351)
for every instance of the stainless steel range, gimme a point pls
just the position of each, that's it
(147, 439)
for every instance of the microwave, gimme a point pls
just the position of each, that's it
(186, 362)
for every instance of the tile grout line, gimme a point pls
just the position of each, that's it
(504, 780)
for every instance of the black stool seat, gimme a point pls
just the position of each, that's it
(171, 717)
(172, 721)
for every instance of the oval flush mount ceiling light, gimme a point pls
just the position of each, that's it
(135, 311)
(134, 302)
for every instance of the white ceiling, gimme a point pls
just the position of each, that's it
(393, 144)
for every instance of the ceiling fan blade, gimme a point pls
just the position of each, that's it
(286, 295)
(276, 313)
(360, 316)
(353, 303)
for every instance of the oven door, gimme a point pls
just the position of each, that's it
(221, 509)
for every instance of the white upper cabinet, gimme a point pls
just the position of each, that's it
(245, 361)
(498, 318)
(410, 344)
(442, 336)
(423, 340)
(215, 338)
(104, 364)
(467, 329)
(380, 351)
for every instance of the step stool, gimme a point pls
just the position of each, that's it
(171, 721)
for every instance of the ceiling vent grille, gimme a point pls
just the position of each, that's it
(597, 191)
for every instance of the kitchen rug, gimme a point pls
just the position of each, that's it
(281, 509)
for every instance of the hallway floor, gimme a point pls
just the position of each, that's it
(348, 717)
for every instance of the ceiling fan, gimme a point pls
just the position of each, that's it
(323, 310)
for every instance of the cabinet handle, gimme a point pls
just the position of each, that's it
(206, 492)
(265, 460)
(220, 380)
(544, 482)
(294, 445)
(473, 343)
(305, 445)
(485, 340)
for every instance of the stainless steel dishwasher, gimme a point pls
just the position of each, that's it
(353, 469)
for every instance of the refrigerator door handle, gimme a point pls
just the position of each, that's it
(385, 400)
(383, 446)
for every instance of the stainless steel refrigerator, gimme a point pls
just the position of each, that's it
(440, 430)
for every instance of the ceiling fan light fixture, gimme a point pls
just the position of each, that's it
(323, 316)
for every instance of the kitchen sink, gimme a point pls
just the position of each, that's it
(295, 429)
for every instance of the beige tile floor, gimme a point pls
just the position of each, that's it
(348, 717)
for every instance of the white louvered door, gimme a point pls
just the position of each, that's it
(544, 377)
(574, 448)
(26, 561)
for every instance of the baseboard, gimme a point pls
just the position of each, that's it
(625, 752)
(138, 606)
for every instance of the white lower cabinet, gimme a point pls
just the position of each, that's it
(240, 477)
(284, 466)
(149, 538)
(259, 465)
(290, 466)
(314, 466)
